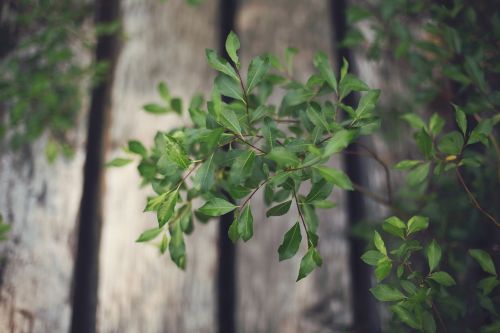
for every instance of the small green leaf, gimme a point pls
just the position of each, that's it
(339, 141)
(155, 109)
(228, 87)
(176, 246)
(230, 121)
(232, 47)
(245, 224)
(379, 243)
(323, 66)
(385, 293)
(309, 262)
(394, 226)
(414, 120)
(217, 207)
(317, 118)
(242, 167)
(283, 157)
(336, 177)
(417, 223)
(372, 257)
(233, 232)
(405, 316)
(367, 104)
(280, 209)
(433, 255)
(383, 268)
(166, 208)
(419, 174)
(291, 243)
(436, 124)
(451, 143)
(154, 202)
(407, 164)
(220, 64)
(175, 152)
(176, 105)
(442, 278)
(164, 92)
(484, 260)
(256, 70)
(349, 84)
(461, 119)
(137, 147)
(205, 176)
(149, 235)
(118, 162)
(319, 191)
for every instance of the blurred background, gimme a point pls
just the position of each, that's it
(70, 262)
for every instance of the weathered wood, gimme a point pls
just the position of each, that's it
(269, 299)
(140, 291)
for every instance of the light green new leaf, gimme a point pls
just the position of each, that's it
(407, 164)
(118, 162)
(385, 293)
(155, 109)
(232, 47)
(484, 260)
(175, 152)
(436, 124)
(309, 262)
(256, 70)
(164, 92)
(433, 255)
(217, 207)
(417, 223)
(245, 224)
(154, 202)
(322, 64)
(372, 257)
(220, 64)
(280, 209)
(335, 176)
(443, 278)
(291, 243)
(383, 268)
(394, 226)
(414, 120)
(229, 88)
(379, 243)
(149, 235)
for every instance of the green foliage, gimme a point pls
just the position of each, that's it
(242, 144)
(4, 229)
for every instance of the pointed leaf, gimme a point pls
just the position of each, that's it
(385, 293)
(245, 224)
(149, 235)
(217, 207)
(335, 176)
(433, 255)
(232, 46)
(291, 243)
(220, 64)
(280, 209)
(309, 262)
(256, 71)
(484, 260)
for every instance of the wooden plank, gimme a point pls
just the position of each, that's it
(139, 290)
(269, 299)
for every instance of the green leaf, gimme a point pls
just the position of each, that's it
(484, 260)
(461, 119)
(154, 202)
(309, 262)
(242, 167)
(149, 235)
(280, 209)
(291, 243)
(436, 124)
(372, 257)
(339, 141)
(176, 105)
(322, 64)
(175, 152)
(451, 143)
(379, 243)
(118, 162)
(349, 84)
(488, 284)
(419, 174)
(176, 246)
(205, 176)
(394, 226)
(233, 231)
(155, 109)
(385, 293)
(230, 121)
(407, 164)
(220, 64)
(290, 53)
(405, 316)
(167, 207)
(232, 46)
(283, 157)
(383, 268)
(245, 224)
(433, 255)
(414, 120)
(164, 92)
(367, 104)
(228, 87)
(319, 191)
(417, 223)
(317, 118)
(217, 207)
(256, 70)
(335, 176)
(442, 278)
(137, 147)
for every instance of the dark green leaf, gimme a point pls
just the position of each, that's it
(137, 147)
(291, 243)
(176, 246)
(280, 209)
(335, 176)
(419, 174)
(319, 191)
(451, 143)
(372, 257)
(217, 207)
(460, 119)
(433, 255)
(385, 293)
(166, 208)
(309, 262)
(383, 268)
(233, 232)
(229, 88)
(443, 278)
(484, 260)
(283, 157)
(256, 71)
(245, 224)
(220, 64)
(322, 64)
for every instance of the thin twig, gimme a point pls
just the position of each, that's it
(309, 243)
(245, 97)
(473, 198)
(386, 170)
(251, 145)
